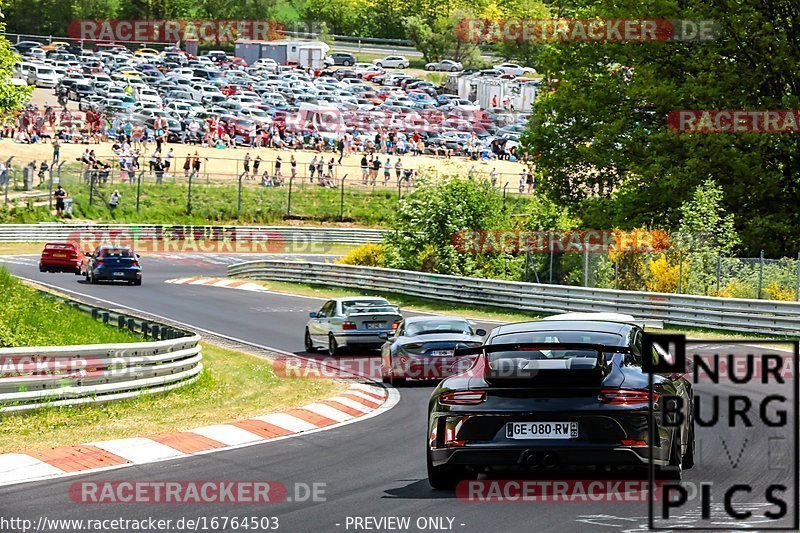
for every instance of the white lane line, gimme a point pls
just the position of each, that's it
(138, 449)
(287, 422)
(226, 434)
(20, 467)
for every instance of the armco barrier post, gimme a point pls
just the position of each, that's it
(760, 272)
(797, 283)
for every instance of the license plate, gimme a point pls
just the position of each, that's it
(441, 353)
(542, 430)
(119, 273)
(60, 255)
(375, 325)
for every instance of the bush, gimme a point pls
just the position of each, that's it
(370, 254)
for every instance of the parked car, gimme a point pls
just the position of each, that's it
(61, 257)
(340, 58)
(445, 64)
(391, 62)
(349, 323)
(516, 70)
(113, 263)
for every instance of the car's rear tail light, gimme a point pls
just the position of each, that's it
(626, 396)
(633, 442)
(395, 324)
(349, 325)
(463, 398)
(100, 260)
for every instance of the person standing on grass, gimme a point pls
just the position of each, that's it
(398, 168)
(331, 163)
(493, 176)
(187, 165)
(256, 164)
(159, 168)
(196, 163)
(341, 149)
(247, 166)
(113, 200)
(56, 149)
(320, 167)
(60, 195)
(312, 168)
(529, 180)
(293, 166)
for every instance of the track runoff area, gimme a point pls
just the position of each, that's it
(370, 475)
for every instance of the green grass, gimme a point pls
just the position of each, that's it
(31, 318)
(233, 386)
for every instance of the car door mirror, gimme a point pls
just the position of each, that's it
(313, 314)
(480, 332)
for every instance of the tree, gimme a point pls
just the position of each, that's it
(12, 97)
(599, 129)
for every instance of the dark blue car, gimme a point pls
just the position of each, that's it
(113, 263)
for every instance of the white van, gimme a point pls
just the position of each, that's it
(42, 76)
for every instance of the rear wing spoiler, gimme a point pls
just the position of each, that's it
(547, 372)
(528, 346)
(376, 309)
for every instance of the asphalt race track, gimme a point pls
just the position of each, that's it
(374, 468)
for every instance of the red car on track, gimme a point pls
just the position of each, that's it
(61, 257)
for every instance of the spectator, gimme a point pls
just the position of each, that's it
(387, 171)
(43, 168)
(398, 167)
(312, 168)
(256, 164)
(113, 200)
(168, 162)
(159, 168)
(60, 195)
(364, 169)
(278, 174)
(293, 166)
(246, 163)
(56, 149)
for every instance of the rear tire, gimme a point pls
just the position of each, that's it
(443, 477)
(138, 282)
(309, 344)
(92, 279)
(346, 63)
(674, 470)
(333, 347)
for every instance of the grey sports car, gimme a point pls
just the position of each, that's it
(423, 348)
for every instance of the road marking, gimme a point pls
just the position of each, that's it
(138, 450)
(226, 434)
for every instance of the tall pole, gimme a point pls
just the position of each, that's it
(138, 190)
(341, 201)
(239, 205)
(289, 205)
(189, 195)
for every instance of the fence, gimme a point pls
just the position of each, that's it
(100, 372)
(302, 234)
(690, 272)
(263, 198)
(731, 314)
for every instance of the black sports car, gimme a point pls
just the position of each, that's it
(423, 348)
(555, 393)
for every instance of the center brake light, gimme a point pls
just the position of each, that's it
(463, 398)
(626, 396)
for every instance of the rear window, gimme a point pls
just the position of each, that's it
(437, 326)
(58, 247)
(117, 252)
(581, 337)
(373, 305)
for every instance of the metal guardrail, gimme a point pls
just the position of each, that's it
(730, 314)
(45, 376)
(43, 232)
